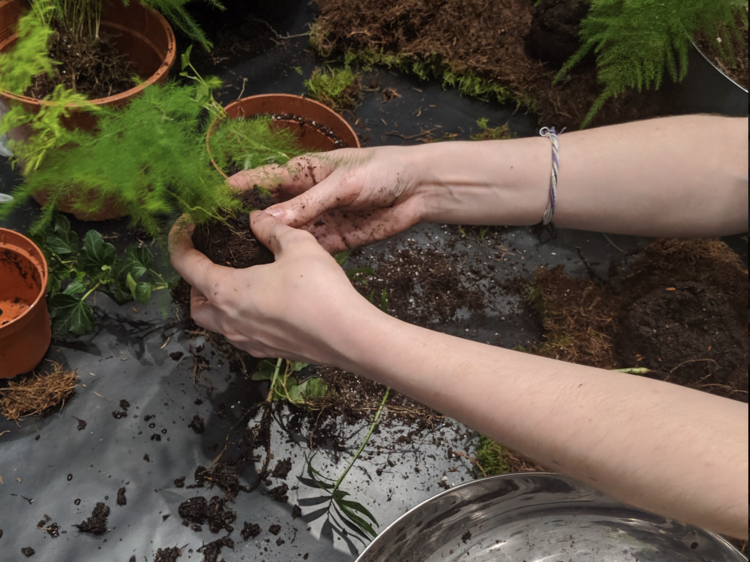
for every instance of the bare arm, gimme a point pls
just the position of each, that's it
(677, 176)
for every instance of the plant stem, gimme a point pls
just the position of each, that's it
(94, 288)
(633, 371)
(275, 377)
(364, 443)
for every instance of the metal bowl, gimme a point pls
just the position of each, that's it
(537, 517)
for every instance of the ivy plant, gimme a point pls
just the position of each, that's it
(286, 385)
(80, 268)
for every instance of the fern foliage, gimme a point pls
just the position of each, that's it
(30, 54)
(148, 157)
(639, 42)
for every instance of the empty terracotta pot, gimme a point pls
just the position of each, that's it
(141, 34)
(25, 329)
(306, 118)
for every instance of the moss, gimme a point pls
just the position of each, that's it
(486, 132)
(338, 88)
(491, 457)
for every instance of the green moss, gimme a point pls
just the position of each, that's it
(338, 88)
(486, 132)
(491, 457)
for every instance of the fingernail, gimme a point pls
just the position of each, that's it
(276, 213)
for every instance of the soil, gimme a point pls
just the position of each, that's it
(167, 554)
(198, 511)
(737, 71)
(97, 523)
(197, 424)
(28, 551)
(282, 469)
(95, 69)
(231, 241)
(553, 37)
(121, 499)
(250, 531)
(679, 310)
(490, 38)
(212, 550)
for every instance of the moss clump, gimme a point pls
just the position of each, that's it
(492, 459)
(243, 144)
(486, 132)
(338, 88)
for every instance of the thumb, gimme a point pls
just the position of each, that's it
(309, 205)
(271, 232)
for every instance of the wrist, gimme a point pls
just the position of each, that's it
(487, 182)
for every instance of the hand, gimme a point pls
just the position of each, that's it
(295, 308)
(346, 198)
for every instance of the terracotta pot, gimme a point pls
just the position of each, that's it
(141, 34)
(310, 137)
(25, 329)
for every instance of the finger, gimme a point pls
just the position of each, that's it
(289, 180)
(204, 314)
(192, 265)
(271, 232)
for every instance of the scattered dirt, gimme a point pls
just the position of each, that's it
(553, 37)
(28, 551)
(214, 512)
(274, 529)
(96, 69)
(36, 394)
(167, 554)
(280, 493)
(737, 70)
(679, 310)
(282, 469)
(97, 523)
(485, 37)
(212, 550)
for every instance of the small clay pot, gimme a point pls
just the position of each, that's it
(141, 34)
(306, 119)
(25, 329)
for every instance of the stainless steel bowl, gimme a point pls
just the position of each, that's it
(539, 517)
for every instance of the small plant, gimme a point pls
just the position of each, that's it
(352, 513)
(338, 88)
(78, 270)
(492, 133)
(491, 457)
(638, 42)
(285, 384)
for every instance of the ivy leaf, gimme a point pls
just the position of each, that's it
(264, 372)
(98, 256)
(137, 261)
(313, 388)
(62, 240)
(143, 291)
(185, 58)
(75, 287)
(131, 283)
(70, 314)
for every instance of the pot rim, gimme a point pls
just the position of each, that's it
(719, 70)
(41, 267)
(163, 69)
(215, 121)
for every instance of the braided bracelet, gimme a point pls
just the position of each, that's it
(550, 133)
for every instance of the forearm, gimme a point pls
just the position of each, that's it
(678, 176)
(649, 443)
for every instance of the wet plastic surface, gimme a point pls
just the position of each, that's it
(47, 465)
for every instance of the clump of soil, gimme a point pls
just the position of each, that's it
(231, 242)
(282, 469)
(199, 511)
(35, 394)
(250, 530)
(678, 311)
(553, 37)
(487, 38)
(197, 424)
(280, 493)
(97, 523)
(225, 475)
(93, 68)
(121, 499)
(167, 554)
(28, 551)
(212, 550)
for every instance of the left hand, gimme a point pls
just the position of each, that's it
(298, 307)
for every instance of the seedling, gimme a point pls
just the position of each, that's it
(354, 514)
(285, 384)
(78, 270)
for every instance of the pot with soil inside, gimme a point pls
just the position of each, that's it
(25, 329)
(136, 41)
(259, 130)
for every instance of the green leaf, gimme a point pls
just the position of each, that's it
(264, 372)
(143, 291)
(358, 507)
(70, 314)
(358, 521)
(75, 287)
(313, 388)
(185, 58)
(298, 366)
(359, 271)
(131, 284)
(137, 261)
(97, 256)
(341, 257)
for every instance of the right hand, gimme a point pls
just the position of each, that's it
(346, 198)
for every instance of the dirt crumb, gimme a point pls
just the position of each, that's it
(121, 499)
(167, 554)
(250, 530)
(96, 524)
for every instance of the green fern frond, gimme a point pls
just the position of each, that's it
(30, 55)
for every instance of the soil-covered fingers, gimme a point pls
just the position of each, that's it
(199, 271)
(288, 180)
(275, 235)
(337, 231)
